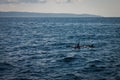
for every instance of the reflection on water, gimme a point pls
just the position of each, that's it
(37, 49)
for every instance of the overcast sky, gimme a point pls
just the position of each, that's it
(98, 7)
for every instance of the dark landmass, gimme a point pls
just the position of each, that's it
(32, 14)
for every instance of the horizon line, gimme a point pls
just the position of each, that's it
(59, 13)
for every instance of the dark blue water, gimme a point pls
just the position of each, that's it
(38, 49)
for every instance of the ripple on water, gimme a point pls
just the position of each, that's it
(68, 59)
(6, 66)
(94, 66)
(22, 79)
(39, 49)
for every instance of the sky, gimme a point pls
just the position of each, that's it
(107, 8)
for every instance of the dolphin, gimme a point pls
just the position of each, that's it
(78, 46)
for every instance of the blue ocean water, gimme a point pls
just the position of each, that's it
(38, 49)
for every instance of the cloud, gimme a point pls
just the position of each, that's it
(21, 1)
(68, 1)
(35, 1)
(63, 1)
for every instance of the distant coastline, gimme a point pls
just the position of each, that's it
(32, 14)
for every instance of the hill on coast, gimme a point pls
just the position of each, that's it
(32, 14)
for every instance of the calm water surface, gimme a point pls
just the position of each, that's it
(38, 49)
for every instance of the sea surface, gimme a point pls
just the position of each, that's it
(39, 48)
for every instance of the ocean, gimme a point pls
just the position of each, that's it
(40, 48)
